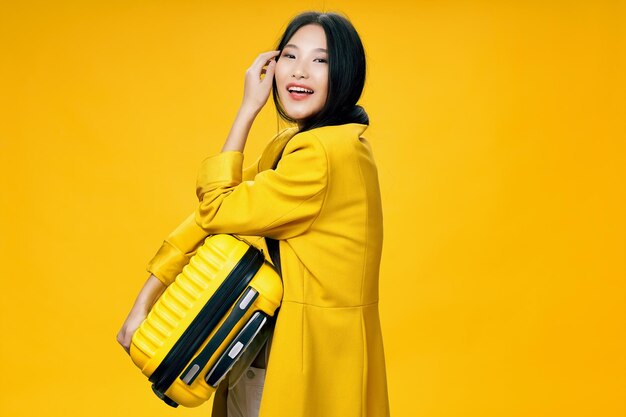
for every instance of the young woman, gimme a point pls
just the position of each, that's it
(322, 203)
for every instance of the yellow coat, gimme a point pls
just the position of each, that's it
(323, 203)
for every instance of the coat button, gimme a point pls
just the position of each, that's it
(250, 374)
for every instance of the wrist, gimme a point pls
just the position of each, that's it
(248, 112)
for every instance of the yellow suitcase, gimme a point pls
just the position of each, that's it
(205, 319)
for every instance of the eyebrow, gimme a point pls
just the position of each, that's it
(294, 46)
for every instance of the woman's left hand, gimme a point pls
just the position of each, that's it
(257, 89)
(130, 326)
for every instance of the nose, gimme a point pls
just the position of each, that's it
(299, 71)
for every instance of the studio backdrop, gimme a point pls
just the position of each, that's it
(499, 133)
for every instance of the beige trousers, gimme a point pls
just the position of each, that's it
(244, 399)
(239, 394)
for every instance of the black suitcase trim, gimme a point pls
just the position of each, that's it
(203, 324)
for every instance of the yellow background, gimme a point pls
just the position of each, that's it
(499, 131)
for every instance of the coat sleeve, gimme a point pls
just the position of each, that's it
(280, 203)
(277, 203)
(182, 243)
(250, 172)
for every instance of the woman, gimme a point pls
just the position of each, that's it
(322, 203)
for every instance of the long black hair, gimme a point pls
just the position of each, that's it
(346, 71)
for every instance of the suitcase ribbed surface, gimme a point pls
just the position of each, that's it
(185, 292)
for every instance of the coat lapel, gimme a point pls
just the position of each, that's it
(274, 149)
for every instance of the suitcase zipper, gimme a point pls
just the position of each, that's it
(202, 325)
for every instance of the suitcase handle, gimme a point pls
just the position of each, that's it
(236, 348)
(239, 310)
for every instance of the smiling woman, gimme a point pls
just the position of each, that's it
(302, 73)
(315, 190)
(335, 46)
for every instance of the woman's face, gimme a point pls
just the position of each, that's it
(302, 73)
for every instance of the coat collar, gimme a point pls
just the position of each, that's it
(274, 149)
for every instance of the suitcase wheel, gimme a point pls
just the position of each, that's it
(167, 400)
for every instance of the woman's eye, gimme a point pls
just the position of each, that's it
(320, 60)
(288, 56)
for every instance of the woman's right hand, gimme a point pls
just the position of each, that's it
(255, 94)
(257, 89)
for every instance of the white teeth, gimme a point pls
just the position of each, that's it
(300, 90)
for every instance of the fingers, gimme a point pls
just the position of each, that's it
(265, 56)
(271, 64)
(262, 60)
(258, 80)
(269, 72)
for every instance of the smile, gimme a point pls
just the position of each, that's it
(298, 91)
